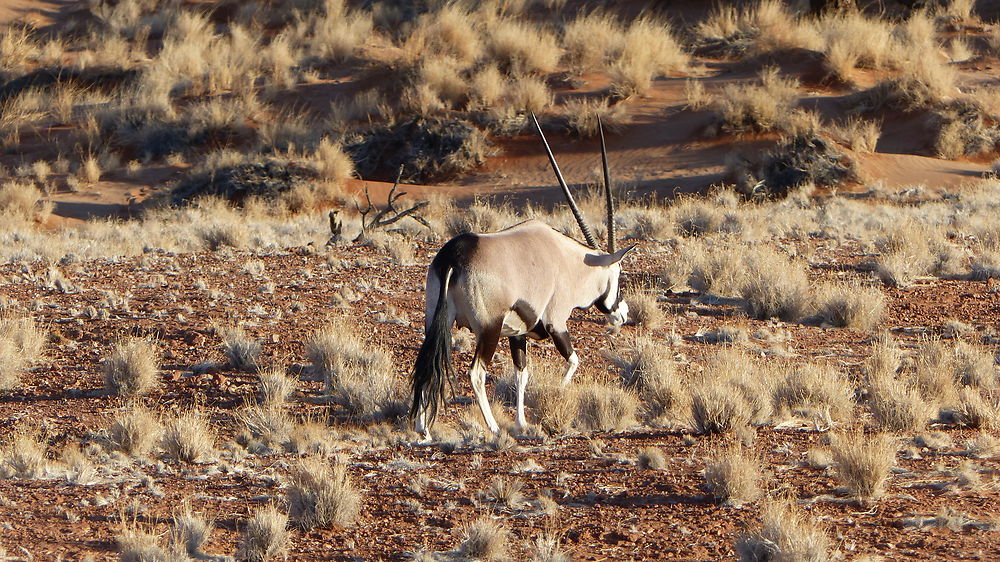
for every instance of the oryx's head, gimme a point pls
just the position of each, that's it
(610, 302)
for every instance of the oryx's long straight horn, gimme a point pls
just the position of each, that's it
(562, 183)
(607, 189)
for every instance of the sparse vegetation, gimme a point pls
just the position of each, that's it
(484, 539)
(321, 495)
(187, 437)
(733, 475)
(863, 463)
(265, 536)
(133, 368)
(785, 534)
(359, 376)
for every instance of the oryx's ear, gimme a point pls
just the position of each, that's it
(604, 260)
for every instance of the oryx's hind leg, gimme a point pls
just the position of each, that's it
(486, 347)
(565, 348)
(519, 354)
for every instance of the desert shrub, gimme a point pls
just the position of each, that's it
(643, 309)
(138, 545)
(21, 344)
(863, 462)
(520, 47)
(581, 115)
(332, 163)
(897, 406)
(484, 539)
(357, 374)
(751, 381)
(757, 108)
(796, 161)
(774, 286)
(553, 406)
(133, 367)
(733, 474)
(815, 388)
(718, 407)
(187, 437)
(505, 490)
(649, 50)
(695, 217)
(717, 271)
(765, 27)
(591, 39)
(135, 431)
(321, 495)
(268, 428)
(23, 201)
(265, 536)
(651, 458)
(426, 148)
(851, 306)
(860, 135)
(934, 371)
(267, 179)
(274, 387)
(960, 130)
(241, 350)
(978, 409)
(22, 455)
(605, 407)
(190, 531)
(974, 366)
(650, 371)
(785, 534)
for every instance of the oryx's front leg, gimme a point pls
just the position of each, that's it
(565, 348)
(486, 347)
(519, 354)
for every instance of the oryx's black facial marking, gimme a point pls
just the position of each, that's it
(599, 303)
(519, 351)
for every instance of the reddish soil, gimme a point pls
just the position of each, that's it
(609, 508)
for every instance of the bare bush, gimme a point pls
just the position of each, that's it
(133, 368)
(321, 495)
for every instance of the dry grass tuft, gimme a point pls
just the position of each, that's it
(265, 536)
(774, 287)
(274, 386)
(135, 431)
(863, 462)
(506, 491)
(139, 545)
(644, 310)
(733, 475)
(23, 455)
(716, 407)
(785, 534)
(485, 539)
(758, 108)
(851, 306)
(357, 374)
(591, 40)
(241, 350)
(650, 371)
(978, 408)
(187, 437)
(815, 389)
(651, 458)
(520, 47)
(553, 406)
(133, 368)
(21, 344)
(320, 495)
(897, 406)
(190, 531)
(605, 407)
(581, 116)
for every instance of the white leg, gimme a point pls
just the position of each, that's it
(522, 383)
(420, 426)
(571, 364)
(478, 376)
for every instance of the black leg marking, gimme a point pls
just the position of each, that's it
(563, 345)
(486, 346)
(519, 351)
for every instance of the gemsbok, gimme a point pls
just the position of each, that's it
(520, 282)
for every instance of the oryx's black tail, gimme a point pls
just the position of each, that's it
(434, 359)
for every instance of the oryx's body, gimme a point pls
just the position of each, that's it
(521, 282)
